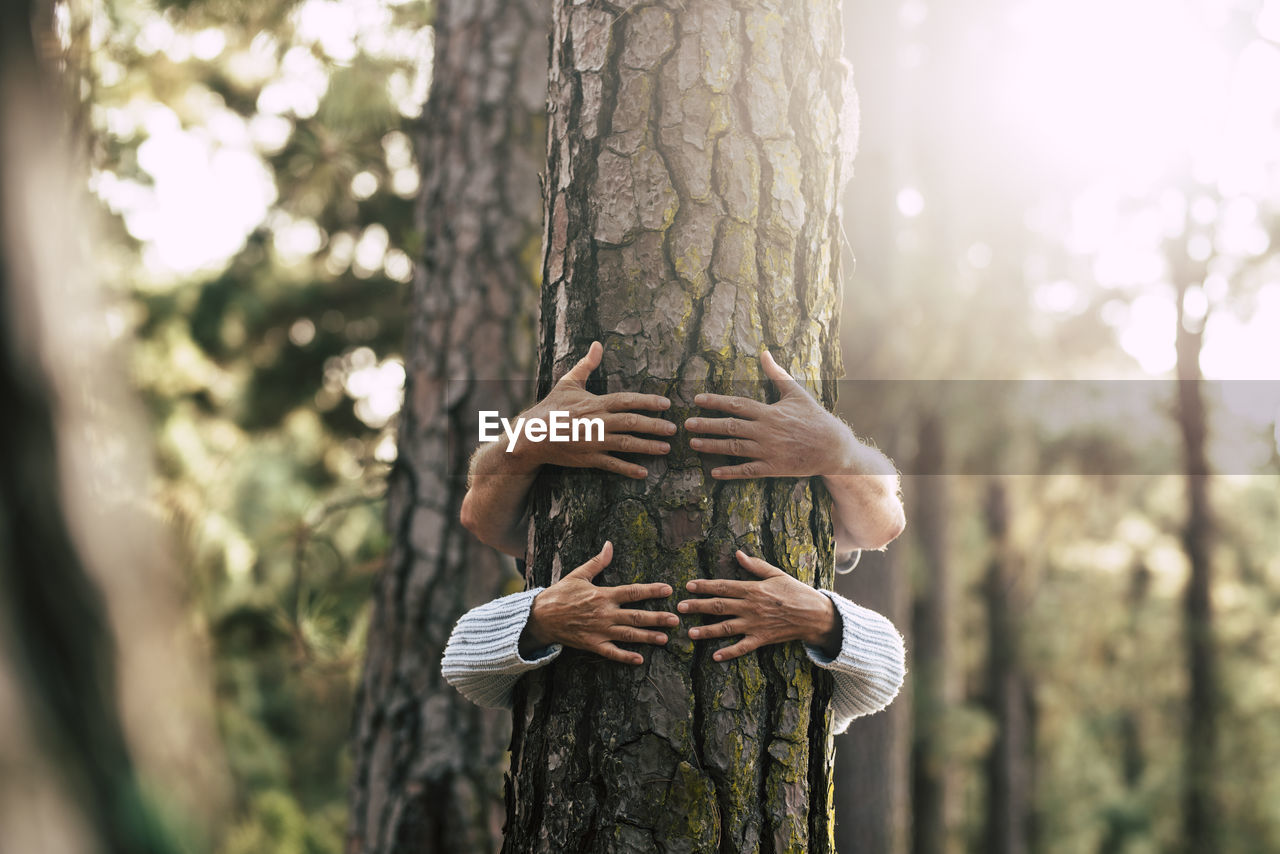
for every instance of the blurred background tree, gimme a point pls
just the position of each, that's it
(1049, 197)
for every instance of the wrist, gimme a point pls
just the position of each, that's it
(535, 635)
(824, 629)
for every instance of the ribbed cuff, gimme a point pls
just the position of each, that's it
(870, 666)
(482, 659)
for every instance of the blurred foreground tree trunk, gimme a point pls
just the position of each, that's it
(57, 650)
(932, 687)
(428, 764)
(1200, 830)
(1009, 765)
(692, 220)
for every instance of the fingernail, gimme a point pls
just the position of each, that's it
(692, 585)
(695, 443)
(666, 402)
(717, 472)
(665, 447)
(666, 590)
(717, 656)
(693, 633)
(691, 423)
(699, 398)
(669, 427)
(662, 639)
(683, 606)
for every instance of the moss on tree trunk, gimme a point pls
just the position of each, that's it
(692, 220)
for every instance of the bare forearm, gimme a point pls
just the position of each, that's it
(866, 508)
(495, 507)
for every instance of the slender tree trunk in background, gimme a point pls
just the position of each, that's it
(1199, 817)
(1009, 765)
(692, 220)
(1133, 760)
(933, 694)
(428, 764)
(57, 650)
(873, 757)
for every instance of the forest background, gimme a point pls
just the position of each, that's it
(1065, 219)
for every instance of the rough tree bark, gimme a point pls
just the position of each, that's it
(428, 764)
(692, 220)
(1199, 810)
(1009, 764)
(932, 691)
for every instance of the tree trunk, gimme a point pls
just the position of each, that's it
(1009, 766)
(1199, 816)
(58, 676)
(873, 760)
(692, 221)
(428, 764)
(932, 685)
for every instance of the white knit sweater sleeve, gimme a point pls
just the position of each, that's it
(482, 659)
(871, 664)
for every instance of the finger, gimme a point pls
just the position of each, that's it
(630, 634)
(647, 619)
(628, 444)
(731, 404)
(609, 463)
(630, 422)
(614, 653)
(580, 372)
(715, 607)
(783, 381)
(640, 592)
(725, 629)
(623, 400)
(592, 568)
(744, 471)
(742, 647)
(757, 566)
(722, 426)
(720, 587)
(728, 447)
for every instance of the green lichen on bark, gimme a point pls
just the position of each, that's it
(691, 186)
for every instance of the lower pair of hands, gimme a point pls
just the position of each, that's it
(776, 608)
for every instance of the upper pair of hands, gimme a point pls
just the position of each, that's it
(795, 437)
(774, 609)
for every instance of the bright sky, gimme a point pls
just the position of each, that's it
(1140, 95)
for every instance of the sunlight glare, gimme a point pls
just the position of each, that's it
(1128, 87)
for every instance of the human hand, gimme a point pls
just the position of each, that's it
(776, 609)
(570, 395)
(577, 613)
(795, 437)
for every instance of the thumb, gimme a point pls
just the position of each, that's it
(756, 566)
(782, 380)
(593, 567)
(580, 372)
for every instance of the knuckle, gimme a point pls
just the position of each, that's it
(717, 606)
